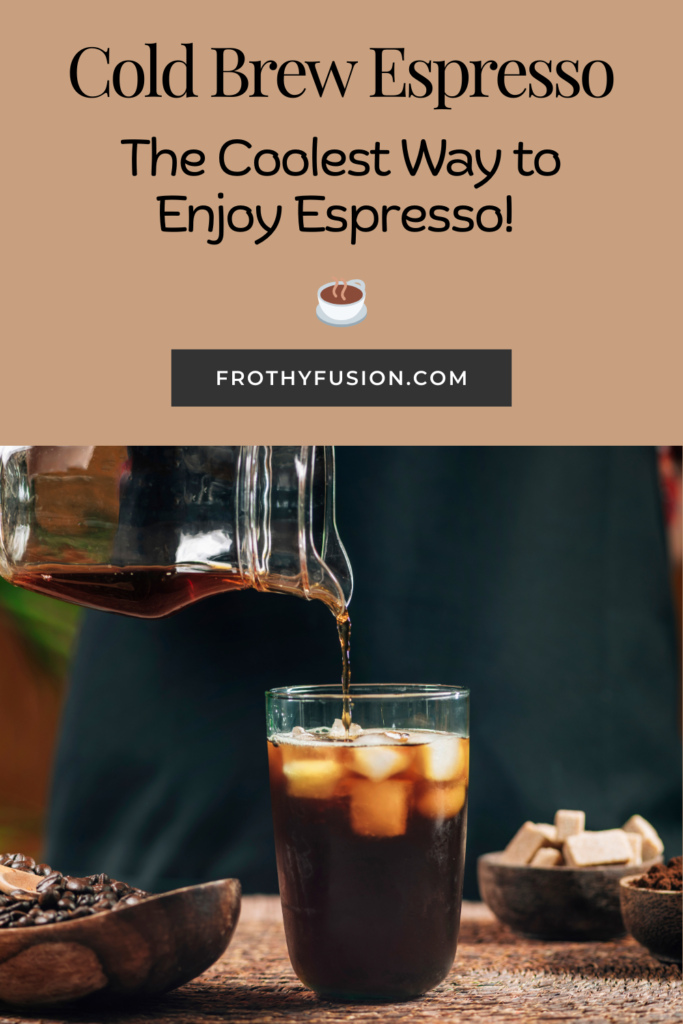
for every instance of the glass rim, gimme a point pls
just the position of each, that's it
(383, 691)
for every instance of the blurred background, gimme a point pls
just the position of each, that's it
(474, 566)
(36, 639)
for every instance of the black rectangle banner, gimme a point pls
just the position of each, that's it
(341, 377)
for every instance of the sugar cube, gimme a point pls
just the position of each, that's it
(523, 844)
(550, 834)
(652, 844)
(636, 843)
(569, 823)
(588, 849)
(547, 857)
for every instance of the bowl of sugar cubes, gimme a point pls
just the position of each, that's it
(561, 881)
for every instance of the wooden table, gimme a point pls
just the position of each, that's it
(497, 977)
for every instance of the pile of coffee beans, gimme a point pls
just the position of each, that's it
(61, 897)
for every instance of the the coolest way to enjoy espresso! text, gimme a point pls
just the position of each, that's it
(98, 74)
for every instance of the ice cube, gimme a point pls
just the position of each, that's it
(398, 737)
(374, 739)
(298, 730)
(304, 748)
(438, 802)
(379, 808)
(310, 779)
(337, 732)
(444, 758)
(355, 731)
(378, 763)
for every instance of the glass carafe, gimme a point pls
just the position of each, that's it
(146, 530)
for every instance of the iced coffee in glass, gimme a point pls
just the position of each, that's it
(370, 827)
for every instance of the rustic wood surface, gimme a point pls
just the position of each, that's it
(497, 977)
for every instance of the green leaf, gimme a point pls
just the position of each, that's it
(47, 626)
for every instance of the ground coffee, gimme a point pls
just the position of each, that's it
(61, 897)
(660, 877)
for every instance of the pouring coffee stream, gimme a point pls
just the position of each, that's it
(145, 531)
(344, 630)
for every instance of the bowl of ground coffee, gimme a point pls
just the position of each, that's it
(342, 300)
(651, 907)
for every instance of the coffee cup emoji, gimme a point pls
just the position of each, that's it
(342, 303)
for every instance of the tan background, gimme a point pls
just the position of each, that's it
(582, 289)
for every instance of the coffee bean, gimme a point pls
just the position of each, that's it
(52, 879)
(78, 886)
(61, 897)
(21, 862)
(25, 863)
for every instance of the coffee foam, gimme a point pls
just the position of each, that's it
(362, 738)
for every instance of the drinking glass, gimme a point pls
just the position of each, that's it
(370, 834)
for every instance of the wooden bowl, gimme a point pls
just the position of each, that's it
(653, 918)
(141, 950)
(570, 904)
